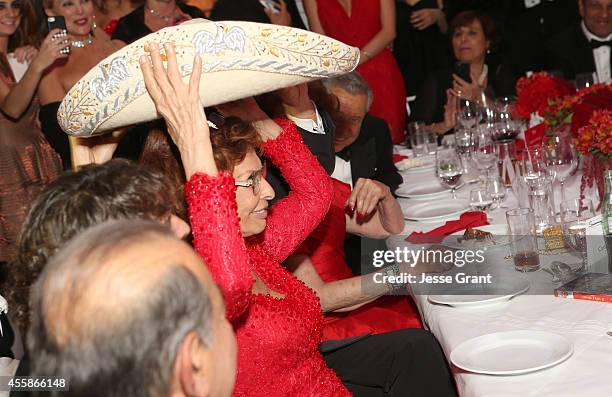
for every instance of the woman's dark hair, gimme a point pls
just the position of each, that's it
(232, 141)
(159, 154)
(27, 32)
(465, 18)
(72, 203)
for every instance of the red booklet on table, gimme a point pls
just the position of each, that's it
(590, 286)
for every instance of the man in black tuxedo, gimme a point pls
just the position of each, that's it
(363, 143)
(363, 150)
(585, 47)
(255, 11)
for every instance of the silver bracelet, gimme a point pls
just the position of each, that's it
(393, 271)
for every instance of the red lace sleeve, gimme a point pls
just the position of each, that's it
(293, 218)
(217, 237)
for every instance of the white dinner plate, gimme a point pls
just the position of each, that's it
(500, 238)
(473, 295)
(429, 211)
(421, 190)
(512, 352)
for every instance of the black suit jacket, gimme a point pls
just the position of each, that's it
(371, 157)
(569, 52)
(372, 154)
(321, 145)
(252, 11)
(132, 26)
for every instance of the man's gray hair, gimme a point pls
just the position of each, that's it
(132, 354)
(352, 83)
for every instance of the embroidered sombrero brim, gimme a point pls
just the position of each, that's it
(239, 59)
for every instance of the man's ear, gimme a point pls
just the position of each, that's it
(194, 380)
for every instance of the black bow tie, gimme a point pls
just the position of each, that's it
(345, 154)
(597, 43)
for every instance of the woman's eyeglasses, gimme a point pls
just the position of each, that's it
(254, 180)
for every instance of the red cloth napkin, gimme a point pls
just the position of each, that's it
(534, 135)
(398, 157)
(467, 219)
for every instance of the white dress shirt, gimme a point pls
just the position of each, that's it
(316, 127)
(601, 55)
(342, 171)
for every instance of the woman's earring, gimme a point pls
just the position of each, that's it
(488, 51)
(93, 23)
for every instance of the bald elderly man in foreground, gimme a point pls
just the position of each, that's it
(127, 309)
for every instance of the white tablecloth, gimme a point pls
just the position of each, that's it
(588, 372)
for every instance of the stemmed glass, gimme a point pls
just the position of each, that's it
(468, 113)
(574, 216)
(560, 159)
(480, 199)
(506, 127)
(497, 190)
(485, 154)
(449, 168)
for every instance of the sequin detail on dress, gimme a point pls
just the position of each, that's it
(278, 339)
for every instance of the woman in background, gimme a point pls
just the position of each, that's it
(369, 25)
(152, 16)
(87, 47)
(108, 13)
(27, 162)
(473, 37)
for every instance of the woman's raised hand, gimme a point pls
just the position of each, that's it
(50, 50)
(179, 104)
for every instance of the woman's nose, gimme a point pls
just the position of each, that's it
(267, 191)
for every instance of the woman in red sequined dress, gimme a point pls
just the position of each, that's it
(277, 319)
(369, 25)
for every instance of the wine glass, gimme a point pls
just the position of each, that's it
(449, 168)
(480, 199)
(506, 127)
(574, 216)
(485, 154)
(468, 113)
(560, 159)
(497, 190)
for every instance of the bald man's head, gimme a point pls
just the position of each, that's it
(123, 298)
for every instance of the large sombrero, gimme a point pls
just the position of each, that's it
(239, 59)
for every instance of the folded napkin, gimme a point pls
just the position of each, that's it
(467, 219)
(398, 157)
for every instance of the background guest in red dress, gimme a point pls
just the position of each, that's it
(369, 25)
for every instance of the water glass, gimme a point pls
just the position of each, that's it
(541, 201)
(416, 132)
(574, 216)
(523, 239)
(480, 199)
(431, 140)
(449, 168)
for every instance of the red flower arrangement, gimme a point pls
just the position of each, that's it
(536, 92)
(586, 113)
(594, 141)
